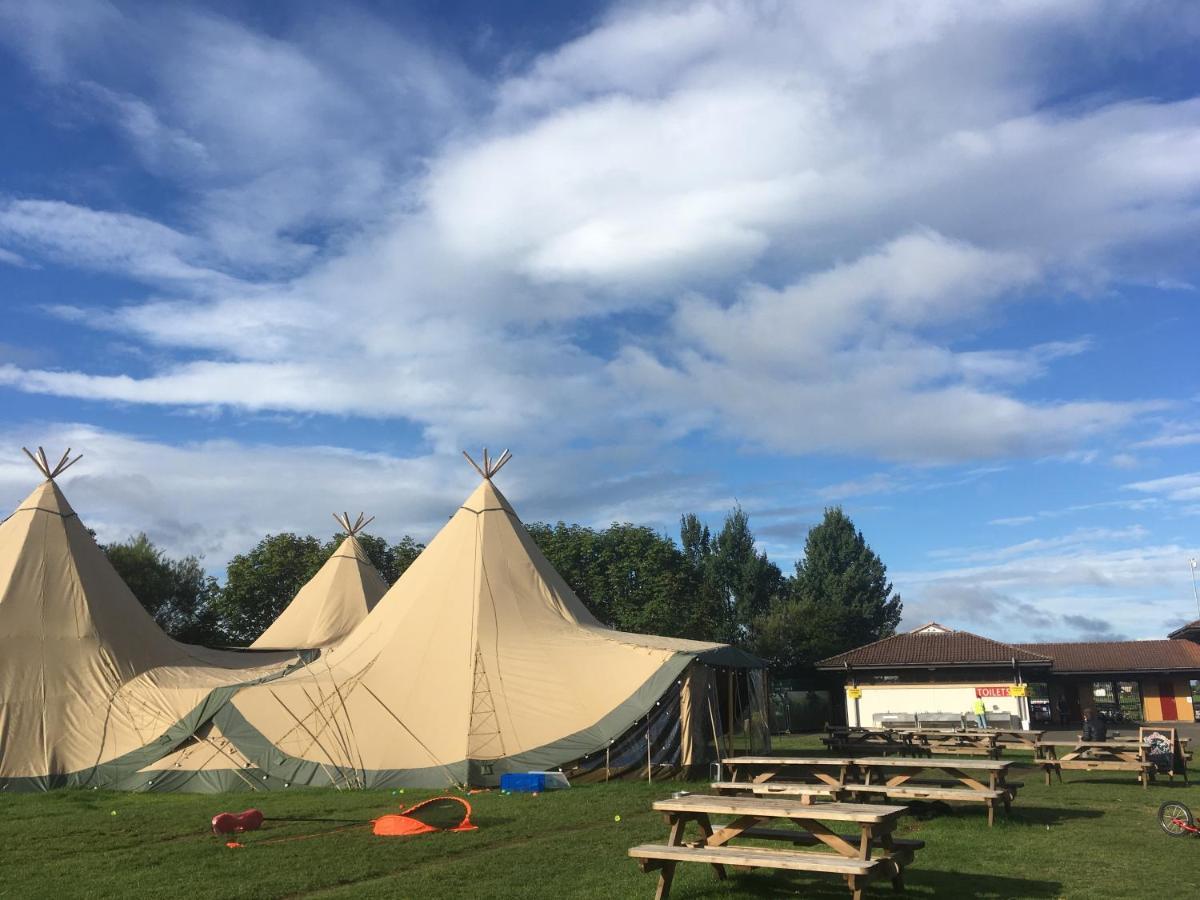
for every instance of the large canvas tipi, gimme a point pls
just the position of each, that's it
(91, 689)
(480, 660)
(333, 602)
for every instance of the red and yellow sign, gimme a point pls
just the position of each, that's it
(1004, 691)
(1019, 690)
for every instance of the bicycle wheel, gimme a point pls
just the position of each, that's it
(1176, 819)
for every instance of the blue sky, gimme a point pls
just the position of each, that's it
(933, 261)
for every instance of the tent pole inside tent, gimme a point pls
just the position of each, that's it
(649, 766)
(729, 719)
(713, 720)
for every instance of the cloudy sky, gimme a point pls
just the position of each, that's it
(933, 261)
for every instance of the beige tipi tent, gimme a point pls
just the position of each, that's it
(480, 660)
(91, 689)
(333, 601)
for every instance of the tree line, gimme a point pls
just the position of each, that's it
(704, 586)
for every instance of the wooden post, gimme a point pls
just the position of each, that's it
(730, 720)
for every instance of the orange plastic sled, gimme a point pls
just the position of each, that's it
(436, 814)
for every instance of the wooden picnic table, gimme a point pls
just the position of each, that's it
(868, 739)
(806, 779)
(1017, 737)
(859, 858)
(830, 770)
(1115, 755)
(893, 777)
(952, 740)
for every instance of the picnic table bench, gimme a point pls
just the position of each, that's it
(1119, 755)
(806, 793)
(892, 777)
(859, 858)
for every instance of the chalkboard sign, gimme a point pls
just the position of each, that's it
(1161, 747)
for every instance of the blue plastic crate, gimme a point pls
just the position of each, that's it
(523, 781)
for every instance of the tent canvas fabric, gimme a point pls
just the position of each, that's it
(91, 689)
(330, 605)
(480, 660)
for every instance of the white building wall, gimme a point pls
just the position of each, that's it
(951, 699)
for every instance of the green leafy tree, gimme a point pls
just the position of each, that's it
(390, 561)
(178, 593)
(748, 580)
(260, 583)
(840, 599)
(628, 576)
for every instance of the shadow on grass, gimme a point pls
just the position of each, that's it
(1049, 815)
(917, 882)
(972, 884)
(1161, 783)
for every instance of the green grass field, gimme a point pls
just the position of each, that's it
(1092, 837)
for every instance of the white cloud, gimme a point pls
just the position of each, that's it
(107, 241)
(822, 204)
(1038, 590)
(1172, 487)
(219, 497)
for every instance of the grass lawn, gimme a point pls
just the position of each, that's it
(1095, 836)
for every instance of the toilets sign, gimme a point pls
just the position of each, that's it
(1003, 691)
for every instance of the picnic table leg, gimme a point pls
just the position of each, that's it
(707, 829)
(991, 805)
(856, 886)
(667, 873)
(665, 876)
(885, 842)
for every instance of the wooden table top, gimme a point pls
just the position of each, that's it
(781, 808)
(786, 761)
(935, 762)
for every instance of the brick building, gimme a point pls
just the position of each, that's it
(933, 675)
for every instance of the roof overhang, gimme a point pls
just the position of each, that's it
(991, 664)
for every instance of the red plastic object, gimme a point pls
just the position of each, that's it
(233, 823)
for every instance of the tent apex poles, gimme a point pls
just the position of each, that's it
(490, 465)
(43, 463)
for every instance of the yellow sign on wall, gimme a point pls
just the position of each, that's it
(1018, 690)
(853, 692)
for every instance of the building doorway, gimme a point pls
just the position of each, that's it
(1166, 694)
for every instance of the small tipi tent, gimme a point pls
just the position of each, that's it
(480, 660)
(90, 688)
(333, 602)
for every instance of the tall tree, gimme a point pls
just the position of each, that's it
(628, 576)
(748, 579)
(176, 592)
(391, 561)
(840, 599)
(260, 583)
